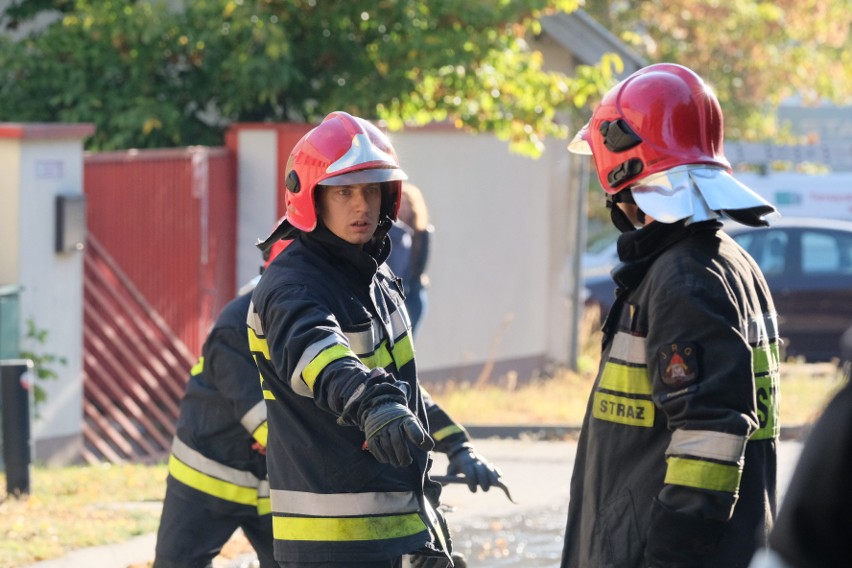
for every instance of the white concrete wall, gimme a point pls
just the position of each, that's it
(257, 199)
(36, 169)
(498, 253)
(10, 165)
(52, 295)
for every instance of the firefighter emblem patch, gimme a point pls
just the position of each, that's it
(678, 364)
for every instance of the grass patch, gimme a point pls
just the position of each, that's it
(79, 507)
(559, 396)
(557, 399)
(806, 389)
(560, 399)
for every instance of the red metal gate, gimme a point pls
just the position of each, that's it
(159, 267)
(134, 367)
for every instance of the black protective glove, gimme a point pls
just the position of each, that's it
(389, 427)
(475, 468)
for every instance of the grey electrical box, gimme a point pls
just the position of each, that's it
(70, 222)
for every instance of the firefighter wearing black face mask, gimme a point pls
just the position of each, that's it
(676, 462)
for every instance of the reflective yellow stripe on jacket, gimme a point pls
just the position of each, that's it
(375, 351)
(623, 394)
(254, 421)
(195, 470)
(306, 516)
(258, 347)
(705, 459)
(763, 338)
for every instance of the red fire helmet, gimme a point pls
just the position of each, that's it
(342, 150)
(660, 117)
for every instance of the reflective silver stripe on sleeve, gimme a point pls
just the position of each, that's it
(763, 329)
(342, 504)
(253, 320)
(399, 324)
(707, 444)
(263, 488)
(254, 417)
(308, 355)
(365, 342)
(628, 348)
(201, 463)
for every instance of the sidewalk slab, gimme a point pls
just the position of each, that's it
(138, 550)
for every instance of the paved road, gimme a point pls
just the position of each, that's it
(493, 533)
(489, 530)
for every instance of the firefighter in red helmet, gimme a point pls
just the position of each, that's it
(349, 437)
(676, 461)
(217, 478)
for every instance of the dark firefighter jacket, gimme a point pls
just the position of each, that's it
(676, 462)
(222, 414)
(324, 316)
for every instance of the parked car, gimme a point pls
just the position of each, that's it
(808, 265)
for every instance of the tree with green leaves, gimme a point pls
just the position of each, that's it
(755, 53)
(160, 74)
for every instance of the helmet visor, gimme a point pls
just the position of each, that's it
(373, 175)
(580, 143)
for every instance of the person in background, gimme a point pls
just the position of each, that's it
(676, 461)
(411, 236)
(217, 478)
(400, 254)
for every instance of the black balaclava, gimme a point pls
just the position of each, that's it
(619, 218)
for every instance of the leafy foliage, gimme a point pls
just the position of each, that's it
(19, 11)
(755, 53)
(150, 75)
(42, 362)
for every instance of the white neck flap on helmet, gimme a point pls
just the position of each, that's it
(694, 192)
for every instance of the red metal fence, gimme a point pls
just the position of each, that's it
(159, 267)
(134, 367)
(168, 218)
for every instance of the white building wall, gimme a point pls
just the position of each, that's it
(257, 198)
(10, 165)
(492, 269)
(40, 162)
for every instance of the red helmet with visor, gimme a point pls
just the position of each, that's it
(342, 150)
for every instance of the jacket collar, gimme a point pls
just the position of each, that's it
(362, 261)
(637, 250)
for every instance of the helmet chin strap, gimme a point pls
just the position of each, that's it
(619, 218)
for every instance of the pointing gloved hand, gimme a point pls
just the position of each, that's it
(389, 427)
(475, 468)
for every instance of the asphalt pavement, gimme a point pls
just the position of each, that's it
(490, 530)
